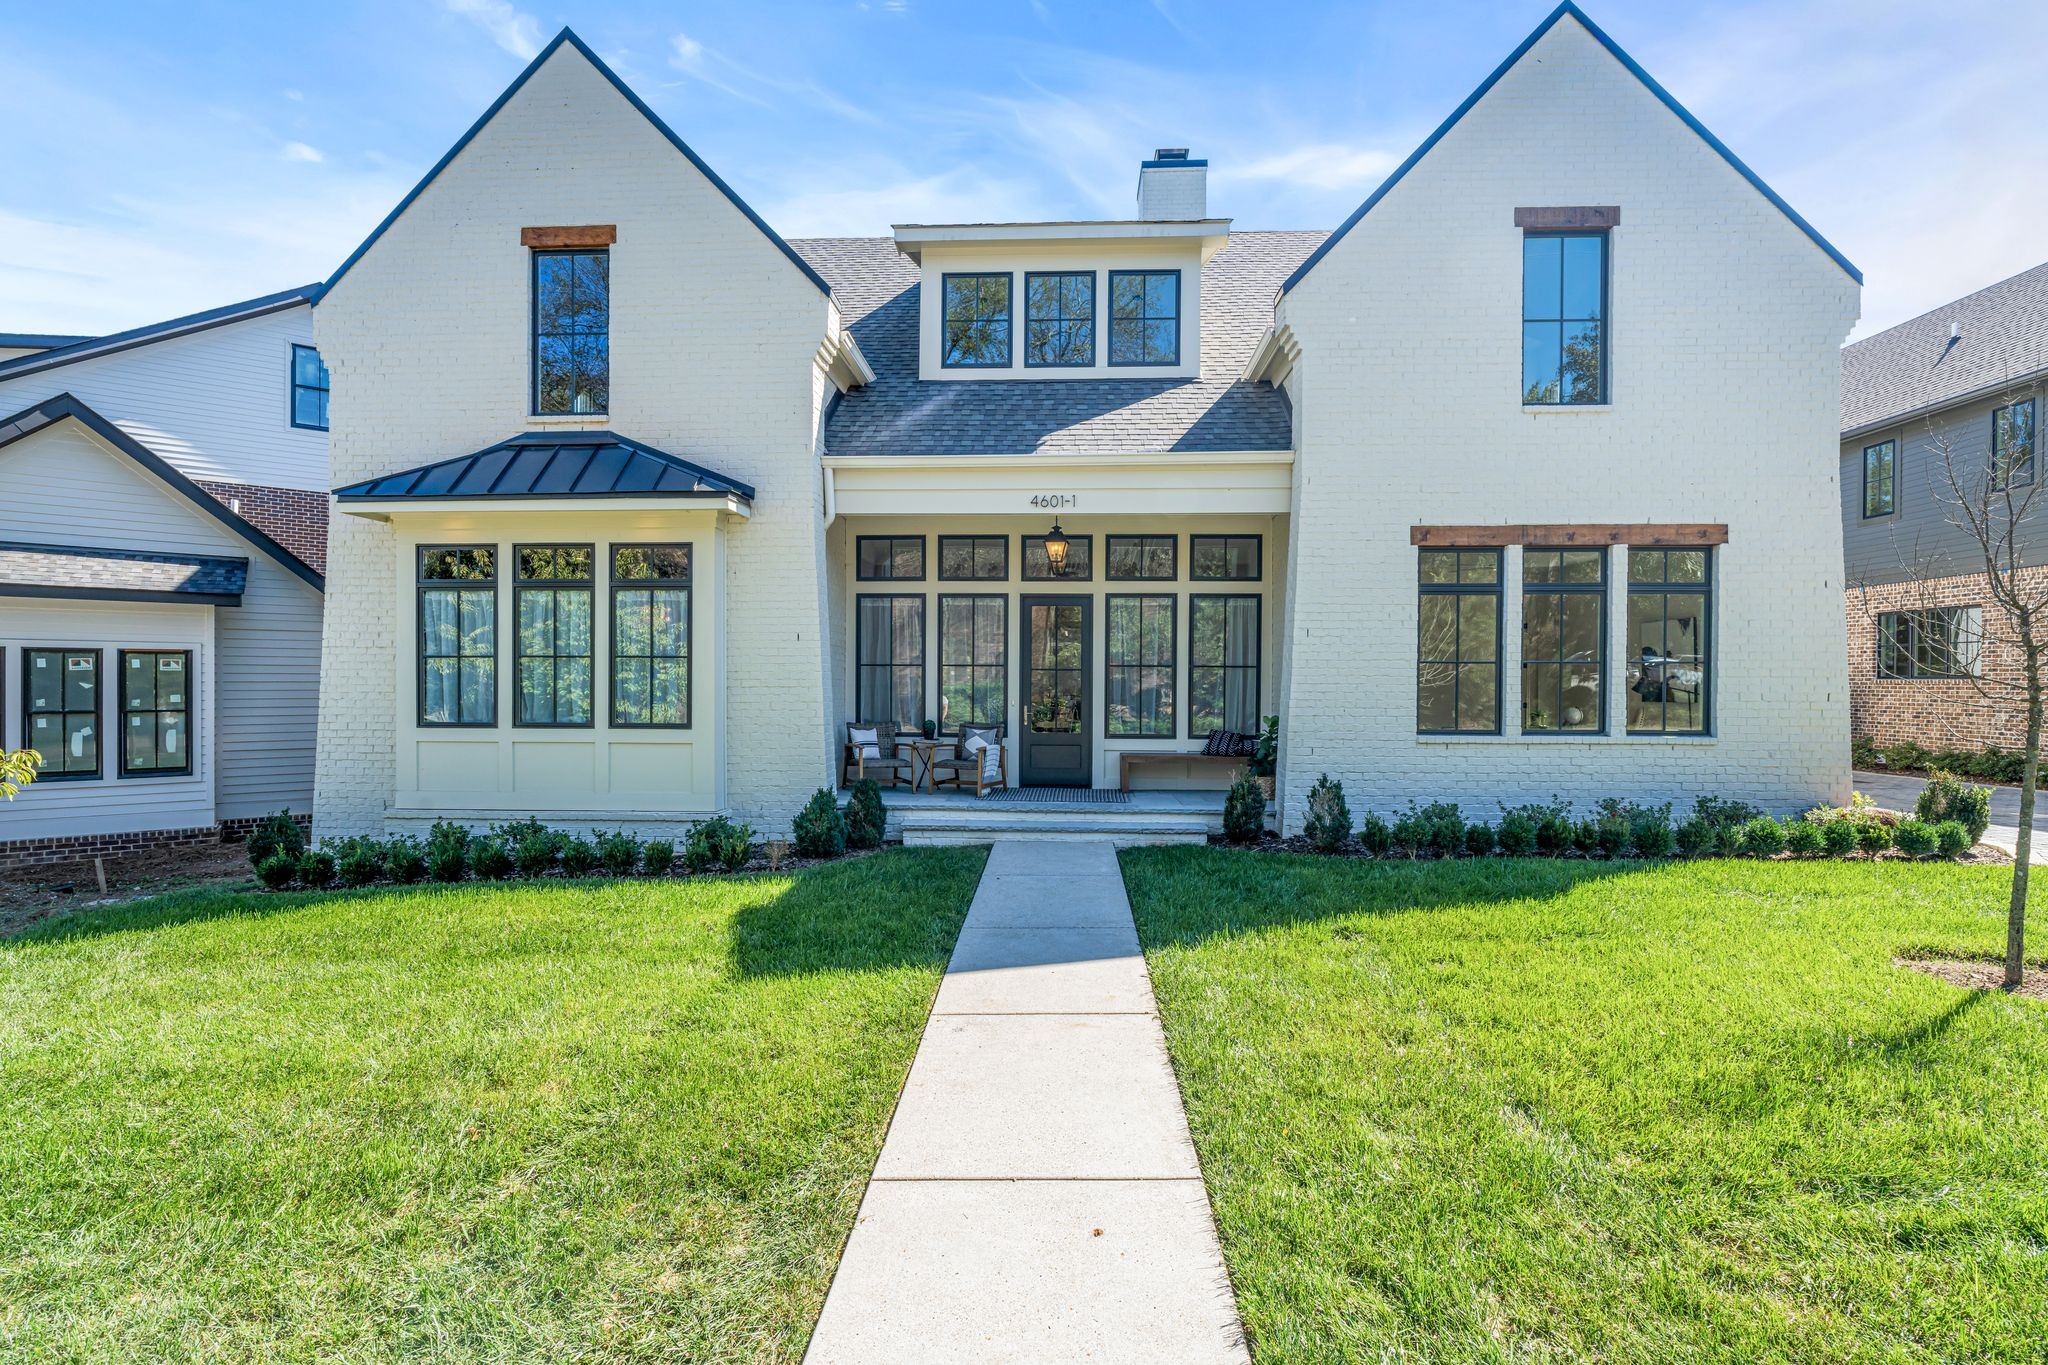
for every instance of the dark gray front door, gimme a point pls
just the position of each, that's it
(1054, 749)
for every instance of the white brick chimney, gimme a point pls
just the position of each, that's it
(1172, 188)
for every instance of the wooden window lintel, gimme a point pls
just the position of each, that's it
(595, 234)
(1581, 216)
(1646, 535)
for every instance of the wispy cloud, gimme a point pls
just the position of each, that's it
(729, 76)
(509, 27)
(300, 151)
(1321, 165)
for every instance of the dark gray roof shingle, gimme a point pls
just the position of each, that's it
(553, 464)
(876, 289)
(81, 571)
(2000, 337)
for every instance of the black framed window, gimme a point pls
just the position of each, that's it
(1932, 642)
(877, 557)
(1670, 595)
(1564, 641)
(60, 711)
(975, 321)
(651, 636)
(1142, 557)
(1564, 317)
(1140, 632)
(1223, 663)
(1225, 557)
(156, 712)
(309, 389)
(1880, 479)
(1144, 317)
(1080, 560)
(458, 604)
(1059, 319)
(974, 658)
(964, 558)
(554, 600)
(888, 652)
(2012, 444)
(572, 323)
(1457, 655)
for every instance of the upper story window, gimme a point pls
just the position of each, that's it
(977, 321)
(1059, 319)
(1144, 317)
(2012, 444)
(572, 312)
(1880, 479)
(309, 389)
(1564, 318)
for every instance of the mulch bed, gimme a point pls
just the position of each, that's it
(30, 894)
(1976, 974)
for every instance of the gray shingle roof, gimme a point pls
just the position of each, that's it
(80, 571)
(553, 464)
(2001, 338)
(876, 289)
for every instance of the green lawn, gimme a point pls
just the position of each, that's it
(556, 1121)
(1499, 1110)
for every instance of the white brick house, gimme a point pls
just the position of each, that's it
(1519, 483)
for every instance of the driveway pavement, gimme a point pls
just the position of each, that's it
(1897, 791)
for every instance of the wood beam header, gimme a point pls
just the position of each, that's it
(1643, 535)
(1580, 216)
(596, 234)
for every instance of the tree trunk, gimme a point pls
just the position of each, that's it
(2023, 848)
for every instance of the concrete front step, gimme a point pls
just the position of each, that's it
(988, 824)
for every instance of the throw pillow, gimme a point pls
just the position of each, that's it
(865, 741)
(1244, 746)
(1218, 745)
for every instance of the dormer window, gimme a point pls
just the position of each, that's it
(1144, 317)
(572, 312)
(977, 321)
(1059, 319)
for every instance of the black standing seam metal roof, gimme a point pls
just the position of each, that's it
(553, 464)
(79, 571)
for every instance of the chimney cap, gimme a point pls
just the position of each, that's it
(1171, 154)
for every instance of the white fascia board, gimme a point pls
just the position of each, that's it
(912, 239)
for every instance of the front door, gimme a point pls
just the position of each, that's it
(1054, 748)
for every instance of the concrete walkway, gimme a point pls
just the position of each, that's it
(1037, 1199)
(1900, 791)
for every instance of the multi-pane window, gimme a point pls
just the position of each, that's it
(1564, 317)
(1457, 670)
(2012, 444)
(156, 712)
(974, 557)
(1223, 663)
(1933, 642)
(60, 711)
(1880, 479)
(458, 602)
(651, 636)
(888, 557)
(1140, 666)
(309, 389)
(1144, 317)
(1223, 557)
(554, 600)
(888, 653)
(1143, 556)
(1669, 593)
(1080, 560)
(976, 321)
(973, 661)
(1059, 319)
(1564, 629)
(572, 312)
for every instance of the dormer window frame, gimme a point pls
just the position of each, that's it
(1179, 314)
(1009, 320)
(1060, 318)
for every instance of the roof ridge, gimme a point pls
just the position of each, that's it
(87, 347)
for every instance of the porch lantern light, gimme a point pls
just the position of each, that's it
(1056, 552)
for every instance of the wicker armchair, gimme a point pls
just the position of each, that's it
(966, 770)
(887, 766)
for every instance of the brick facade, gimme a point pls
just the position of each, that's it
(293, 517)
(74, 847)
(1936, 713)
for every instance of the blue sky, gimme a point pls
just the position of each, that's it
(164, 158)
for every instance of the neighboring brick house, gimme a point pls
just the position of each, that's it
(163, 517)
(639, 506)
(1945, 387)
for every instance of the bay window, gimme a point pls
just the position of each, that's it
(650, 636)
(458, 625)
(553, 601)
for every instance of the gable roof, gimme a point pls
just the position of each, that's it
(86, 348)
(45, 341)
(94, 574)
(1975, 346)
(1571, 10)
(568, 36)
(877, 290)
(552, 464)
(65, 407)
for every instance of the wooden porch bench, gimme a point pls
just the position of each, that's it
(1129, 759)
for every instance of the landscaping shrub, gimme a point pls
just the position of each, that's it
(1762, 837)
(1612, 834)
(1375, 836)
(404, 860)
(657, 856)
(1952, 838)
(578, 855)
(1328, 822)
(1838, 837)
(1915, 838)
(865, 818)
(1696, 838)
(277, 833)
(1948, 797)
(1517, 833)
(1863, 751)
(278, 871)
(490, 858)
(1649, 832)
(360, 863)
(1244, 811)
(1802, 838)
(1443, 829)
(1479, 840)
(718, 842)
(534, 851)
(1873, 836)
(316, 867)
(821, 830)
(1408, 834)
(1555, 833)
(618, 852)
(1905, 754)
(447, 851)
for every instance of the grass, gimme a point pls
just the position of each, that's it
(559, 1121)
(1497, 1110)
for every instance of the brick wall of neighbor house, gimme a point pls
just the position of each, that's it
(70, 848)
(1936, 713)
(1724, 375)
(293, 517)
(713, 334)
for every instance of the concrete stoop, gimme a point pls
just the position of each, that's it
(987, 824)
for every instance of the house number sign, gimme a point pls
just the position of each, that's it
(1053, 500)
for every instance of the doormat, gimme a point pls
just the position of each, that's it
(1071, 796)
